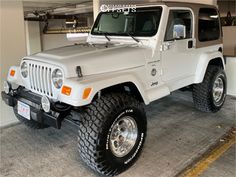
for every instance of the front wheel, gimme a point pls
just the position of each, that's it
(209, 96)
(112, 133)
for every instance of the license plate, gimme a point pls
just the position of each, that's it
(23, 110)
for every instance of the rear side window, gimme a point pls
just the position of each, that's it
(208, 25)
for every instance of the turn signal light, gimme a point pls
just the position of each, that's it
(66, 90)
(86, 93)
(12, 73)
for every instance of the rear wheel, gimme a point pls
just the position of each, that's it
(112, 133)
(209, 96)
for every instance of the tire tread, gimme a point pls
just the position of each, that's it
(92, 120)
(202, 91)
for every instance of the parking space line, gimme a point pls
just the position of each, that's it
(207, 159)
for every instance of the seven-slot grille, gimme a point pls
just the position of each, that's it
(40, 79)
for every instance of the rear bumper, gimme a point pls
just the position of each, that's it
(52, 118)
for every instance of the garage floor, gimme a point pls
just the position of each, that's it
(177, 135)
(225, 166)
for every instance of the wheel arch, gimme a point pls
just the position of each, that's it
(206, 60)
(217, 62)
(127, 87)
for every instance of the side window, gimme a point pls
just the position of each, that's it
(208, 25)
(179, 25)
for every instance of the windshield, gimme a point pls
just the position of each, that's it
(143, 22)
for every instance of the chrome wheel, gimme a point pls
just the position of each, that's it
(218, 89)
(123, 136)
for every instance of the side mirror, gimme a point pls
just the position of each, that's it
(179, 32)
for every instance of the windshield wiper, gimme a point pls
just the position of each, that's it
(127, 33)
(132, 37)
(105, 34)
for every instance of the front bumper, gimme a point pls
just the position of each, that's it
(53, 118)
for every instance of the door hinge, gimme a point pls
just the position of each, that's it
(165, 46)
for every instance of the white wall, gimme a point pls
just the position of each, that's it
(96, 8)
(50, 41)
(229, 40)
(13, 47)
(33, 39)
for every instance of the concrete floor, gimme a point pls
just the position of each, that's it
(225, 166)
(177, 134)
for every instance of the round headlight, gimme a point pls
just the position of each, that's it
(24, 69)
(57, 78)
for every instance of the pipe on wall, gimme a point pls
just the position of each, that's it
(64, 31)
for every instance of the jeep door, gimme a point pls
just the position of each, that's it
(178, 51)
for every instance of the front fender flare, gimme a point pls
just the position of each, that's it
(98, 83)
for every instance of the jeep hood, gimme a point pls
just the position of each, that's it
(93, 59)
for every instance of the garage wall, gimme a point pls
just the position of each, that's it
(50, 41)
(225, 6)
(13, 47)
(229, 32)
(229, 40)
(33, 40)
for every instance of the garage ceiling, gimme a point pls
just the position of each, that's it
(61, 7)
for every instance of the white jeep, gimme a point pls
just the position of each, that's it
(131, 58)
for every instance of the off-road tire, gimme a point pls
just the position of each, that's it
(203, 93)
(95, 127)
(29, 123)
